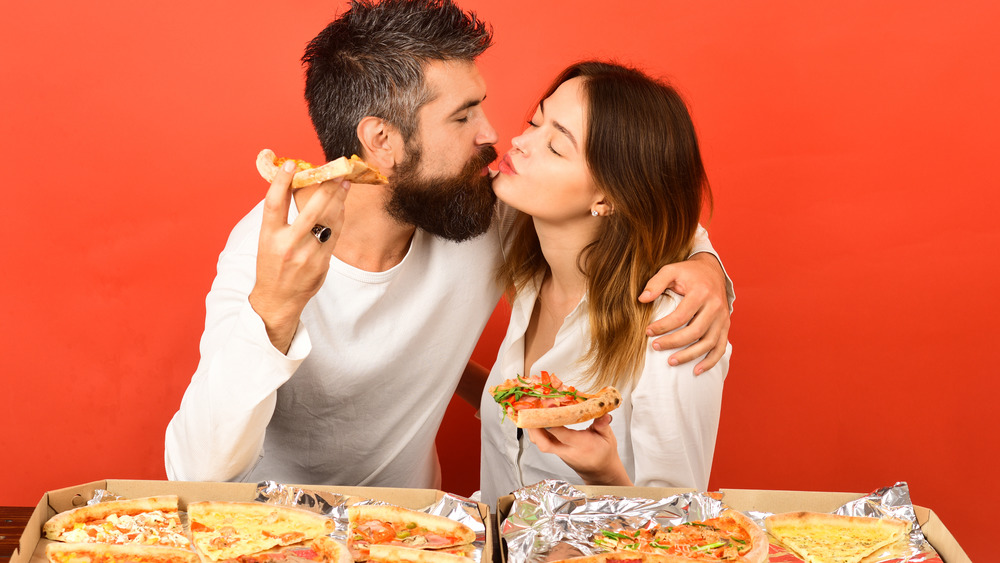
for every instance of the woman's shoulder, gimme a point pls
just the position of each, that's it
(656, 360)
(665, 304)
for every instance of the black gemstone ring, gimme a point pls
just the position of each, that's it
(322, 233)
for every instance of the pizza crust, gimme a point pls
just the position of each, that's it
(113, 553)
(626, 557)
(352, 169)
(395, 553)
(758, 537)
(602, 402)
(332, 550)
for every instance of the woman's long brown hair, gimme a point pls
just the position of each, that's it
(642, 152)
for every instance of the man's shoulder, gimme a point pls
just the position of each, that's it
(244, 237)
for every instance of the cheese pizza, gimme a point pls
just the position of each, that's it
(832, 538)
(227, 530)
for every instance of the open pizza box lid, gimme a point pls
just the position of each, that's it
(768, 501)
(32, 545)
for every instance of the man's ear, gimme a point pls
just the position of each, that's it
(382, 144)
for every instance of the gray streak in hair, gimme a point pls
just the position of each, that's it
(370, 61)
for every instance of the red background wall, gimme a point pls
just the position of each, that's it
(851, 149)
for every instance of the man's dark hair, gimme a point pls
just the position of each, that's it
(369, 62)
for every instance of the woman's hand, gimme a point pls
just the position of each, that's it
(592, 453)
(704, 308)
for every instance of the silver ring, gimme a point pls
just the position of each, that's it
(322, 233)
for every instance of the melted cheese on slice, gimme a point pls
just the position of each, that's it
(230, 534)
(834, 544)
(145, 528)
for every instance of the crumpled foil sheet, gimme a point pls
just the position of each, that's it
(335, 505)
(102, 495)
(553, 520)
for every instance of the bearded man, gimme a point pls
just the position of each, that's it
(338, 326)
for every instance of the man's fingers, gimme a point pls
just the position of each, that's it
(706, 344)
(682, 315)
(711, 359)
(278, 198)
(693, 351)
(716, 354)
(325, 207)
(696, 329)
(663, 279)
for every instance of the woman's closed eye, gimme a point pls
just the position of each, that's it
(532, 124)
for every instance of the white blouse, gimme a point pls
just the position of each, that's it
(665, 427)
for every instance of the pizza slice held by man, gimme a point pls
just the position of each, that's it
(352, 169)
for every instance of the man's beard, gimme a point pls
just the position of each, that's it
(457, 207)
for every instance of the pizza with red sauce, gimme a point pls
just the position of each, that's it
(544, 401)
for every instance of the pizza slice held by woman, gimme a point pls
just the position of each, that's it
(544, 401)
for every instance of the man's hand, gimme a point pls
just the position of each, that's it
(291, 262)
(592, 453)
(704, 308)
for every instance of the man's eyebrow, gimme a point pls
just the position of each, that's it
(558, 126)
(468, 104)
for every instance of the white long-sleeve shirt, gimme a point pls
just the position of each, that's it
(361, 393)
(665, 427)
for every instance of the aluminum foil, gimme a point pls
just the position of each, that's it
(334, 505)
(102, 495)
(553, 520)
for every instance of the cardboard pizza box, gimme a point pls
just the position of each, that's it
(768, 501)
(31, 548)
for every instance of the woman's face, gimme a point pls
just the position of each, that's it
(545, 174)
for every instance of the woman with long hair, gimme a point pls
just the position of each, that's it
(609, 183)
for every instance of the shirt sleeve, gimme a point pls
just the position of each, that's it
(675, 418)
(217, 434)
(702, 244)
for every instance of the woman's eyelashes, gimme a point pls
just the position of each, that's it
(532, 124)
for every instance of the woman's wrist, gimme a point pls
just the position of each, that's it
(611, 476)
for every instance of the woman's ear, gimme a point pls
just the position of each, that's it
(602, 207)
(382, 144)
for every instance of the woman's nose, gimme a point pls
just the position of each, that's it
(519, 144)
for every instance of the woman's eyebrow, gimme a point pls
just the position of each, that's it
(558, 126)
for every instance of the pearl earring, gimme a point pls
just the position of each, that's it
(593, 212)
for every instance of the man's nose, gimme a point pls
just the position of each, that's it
(487, 134)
